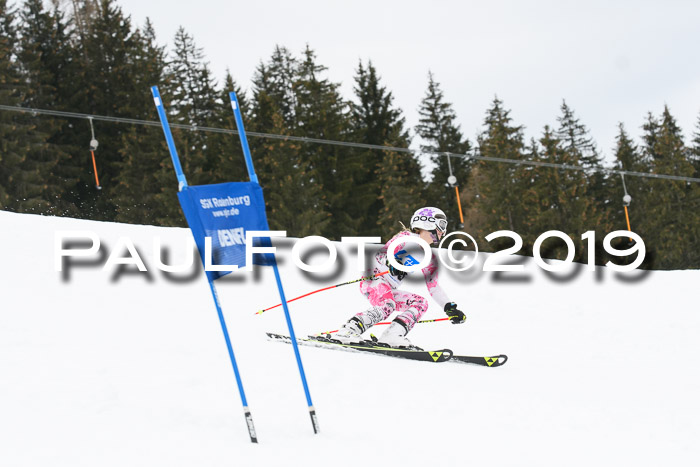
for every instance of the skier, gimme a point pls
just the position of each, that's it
(430, 224)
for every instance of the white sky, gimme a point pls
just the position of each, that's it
(611, 61)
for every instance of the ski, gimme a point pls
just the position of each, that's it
(435, 356)
(497, 360)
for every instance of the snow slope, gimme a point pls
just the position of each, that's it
(99, 367)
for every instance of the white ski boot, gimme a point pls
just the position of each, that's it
(350, 333)
(395, 336)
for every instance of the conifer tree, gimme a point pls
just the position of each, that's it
(100, 80)
(267, 109)
(695, 149)
(321, 113)
(14, 131)
(27, 169)
(276, 80)
(194, 102)
(693, 193)
(390, 183)
(581, 150)
(400, 198)
(272, 95)
(552, 196)
(230, 165)
(145, 190)
(294, 200)
(575, 139)
(670, 153)
(309, 105)
(562, 194)
(671, 213)
(261, 115)
(54, 56)
(526, 182)
(48, 63)
(440, 133)
(498, 198)
(475, 218)
(262, 111)
(375, 119)
(564, 202)
(84, 13)
(629, 158)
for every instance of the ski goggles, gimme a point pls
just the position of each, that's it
(441, 225)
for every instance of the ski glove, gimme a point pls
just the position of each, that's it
(395, 272)
(456, 316)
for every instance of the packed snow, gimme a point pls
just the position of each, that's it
(114, 366)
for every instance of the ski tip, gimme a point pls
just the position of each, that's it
(494, 361)
(497, 360)
(443, 355)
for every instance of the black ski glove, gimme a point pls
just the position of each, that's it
(456, 316)
(395, 272)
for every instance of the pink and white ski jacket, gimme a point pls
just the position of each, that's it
(430, 272)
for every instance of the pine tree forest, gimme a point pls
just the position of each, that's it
(86, 57)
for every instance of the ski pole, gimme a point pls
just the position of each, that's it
(321, 290)
(389, 322)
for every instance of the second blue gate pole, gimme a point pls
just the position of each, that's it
(292, 335)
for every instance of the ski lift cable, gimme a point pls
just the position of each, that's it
(303, 139)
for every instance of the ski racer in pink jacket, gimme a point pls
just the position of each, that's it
(385, 298)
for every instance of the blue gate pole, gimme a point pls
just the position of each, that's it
(292, 335)
(182, 184)
(182, 181)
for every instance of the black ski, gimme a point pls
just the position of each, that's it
(497, 360)
(482, 361)
(435, 356)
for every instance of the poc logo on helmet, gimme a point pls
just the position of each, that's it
(424, 218)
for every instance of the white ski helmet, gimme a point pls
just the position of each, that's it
(429, 219)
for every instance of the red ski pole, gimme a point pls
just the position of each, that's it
(321, 290)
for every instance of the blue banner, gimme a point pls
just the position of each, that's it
(225, 212)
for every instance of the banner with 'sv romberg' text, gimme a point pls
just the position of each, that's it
(225, 212)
